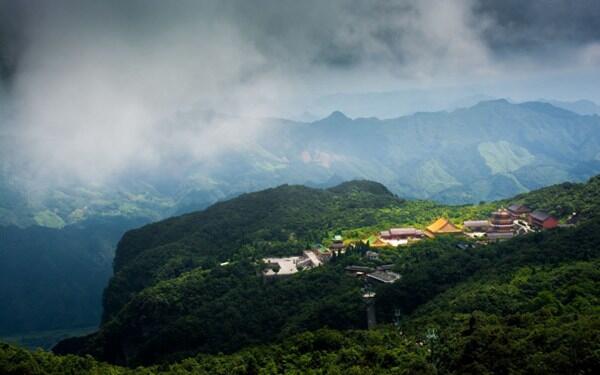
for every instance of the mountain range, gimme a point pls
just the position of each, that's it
(489, 151)
(582, 107)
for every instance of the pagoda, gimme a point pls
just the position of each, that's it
(501, 221)
(501, 225)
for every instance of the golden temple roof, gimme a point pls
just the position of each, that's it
(442, 226)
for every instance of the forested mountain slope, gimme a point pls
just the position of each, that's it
(170, 298)
(565, 199)
(490, 151)
(278, 221)
(526, 306)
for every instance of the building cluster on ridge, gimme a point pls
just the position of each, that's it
(503, 224)
(506, 223)
(311, 258)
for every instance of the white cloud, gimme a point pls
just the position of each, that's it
(102, 86)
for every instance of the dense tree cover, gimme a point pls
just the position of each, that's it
(283, 220)
(17, 361)
(279, 221)
(564, 199)
(223, 310)
(64, 260)
(47, 339)
(53, 278)
(228, 307)
(189, 304)
(535, 319)
(323, 351)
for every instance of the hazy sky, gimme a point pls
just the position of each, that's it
(96, 82)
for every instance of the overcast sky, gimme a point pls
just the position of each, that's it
(84, 81)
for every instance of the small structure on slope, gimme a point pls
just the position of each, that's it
(372, 255)
(376, 242)
(519, 211)
(368, 297)
(281, 266)
(385, 277)
(286, 266)
(323, 253)
(476, 225)
(501, 221)
(400, 236)
(359, 270)
(573, 218)
(542, 220)
(476, 228)
(338, 245)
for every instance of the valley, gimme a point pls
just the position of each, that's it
(52, 279)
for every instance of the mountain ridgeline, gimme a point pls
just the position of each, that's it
(278, 221)
(189, 285)
(489, 151)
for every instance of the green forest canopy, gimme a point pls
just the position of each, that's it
(520, 306)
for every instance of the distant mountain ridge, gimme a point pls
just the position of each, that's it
(582, 107)
(492, 150)
(392, 104)
(489, 151)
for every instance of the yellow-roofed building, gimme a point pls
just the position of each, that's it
(378, 243)
(441, 226)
